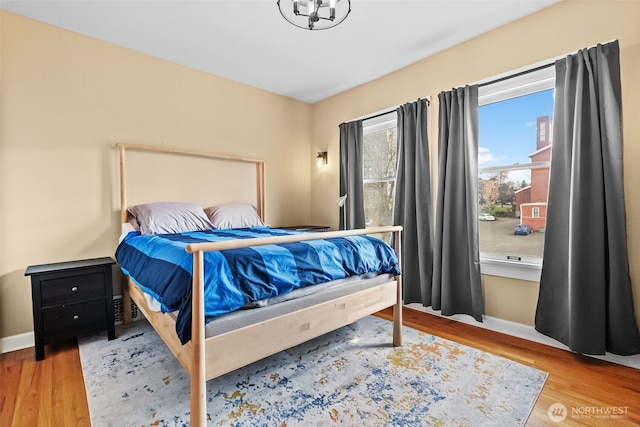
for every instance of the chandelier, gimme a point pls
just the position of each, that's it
(315, 14)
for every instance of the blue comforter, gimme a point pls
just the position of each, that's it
(160, 265)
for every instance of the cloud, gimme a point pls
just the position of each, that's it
(530, 124)
(486, 156)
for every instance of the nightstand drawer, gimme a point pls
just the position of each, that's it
(71, 289)
(73, 317)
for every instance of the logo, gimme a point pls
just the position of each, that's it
(557, 412)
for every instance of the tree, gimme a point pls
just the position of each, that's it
(490, 190)
(498, 189)
(380, 168)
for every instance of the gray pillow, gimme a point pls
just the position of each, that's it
(170, 217)
(234, 215)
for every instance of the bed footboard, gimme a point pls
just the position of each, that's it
(232, 350)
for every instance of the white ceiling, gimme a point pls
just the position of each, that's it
(250, 42)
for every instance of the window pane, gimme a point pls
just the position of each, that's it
(513, 198)
(509, 131)
(508, 198)
(379, 172)
(378, 209)
(380, 155)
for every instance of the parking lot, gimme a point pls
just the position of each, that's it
(497, 237)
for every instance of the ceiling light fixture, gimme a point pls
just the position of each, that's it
(315, 14)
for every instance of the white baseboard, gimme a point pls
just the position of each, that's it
(525, 332)
(17, 342)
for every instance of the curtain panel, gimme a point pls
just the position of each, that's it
(351, 175)
(456, 271)
(585, 296)
(412, 205)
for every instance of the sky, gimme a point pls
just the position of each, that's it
(507, 129)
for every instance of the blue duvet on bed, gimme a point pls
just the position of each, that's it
(160, 265)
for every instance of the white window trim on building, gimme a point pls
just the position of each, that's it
(535, 212)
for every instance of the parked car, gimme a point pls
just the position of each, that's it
(486, 217)
(523, 230)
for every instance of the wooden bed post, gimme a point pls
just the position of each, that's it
(198, 417)
(123, 186)
(397, 309)
(260, 189)
(126, 297)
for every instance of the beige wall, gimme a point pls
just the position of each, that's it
(557, 30)
(67, 98)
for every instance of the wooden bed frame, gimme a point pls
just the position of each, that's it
(207, 358)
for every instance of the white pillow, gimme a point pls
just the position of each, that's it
(170, 217)
(234, 215)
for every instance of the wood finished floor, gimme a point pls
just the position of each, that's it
(51, 392)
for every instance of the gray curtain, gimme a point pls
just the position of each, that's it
(456, 271)
(351, 178)
(585, 296)
(412, 205)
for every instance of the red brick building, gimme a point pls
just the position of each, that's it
(531, 201)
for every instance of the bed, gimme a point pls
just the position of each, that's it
(208, 345)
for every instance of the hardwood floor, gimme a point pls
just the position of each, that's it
(45, 393)
(51, 392)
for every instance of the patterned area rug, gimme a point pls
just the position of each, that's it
(350, 377)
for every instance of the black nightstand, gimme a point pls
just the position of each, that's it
(308, 228)
(70, 299)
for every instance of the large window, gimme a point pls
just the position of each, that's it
(379, 169)
(514, 161)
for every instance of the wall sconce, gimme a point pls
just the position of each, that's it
(321, 158)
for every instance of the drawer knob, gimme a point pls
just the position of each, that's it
(76, 317)
(74, 289)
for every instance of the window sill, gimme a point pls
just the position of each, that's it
(521, 270)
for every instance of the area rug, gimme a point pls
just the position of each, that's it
(350, 377)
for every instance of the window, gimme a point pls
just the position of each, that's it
(514, 161)
(535, 212)
(379, 169)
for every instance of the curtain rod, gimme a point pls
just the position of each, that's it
(382, 113)
(391, 110)
(540, 67)
(521, 73)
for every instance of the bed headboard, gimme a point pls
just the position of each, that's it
(174, 174)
